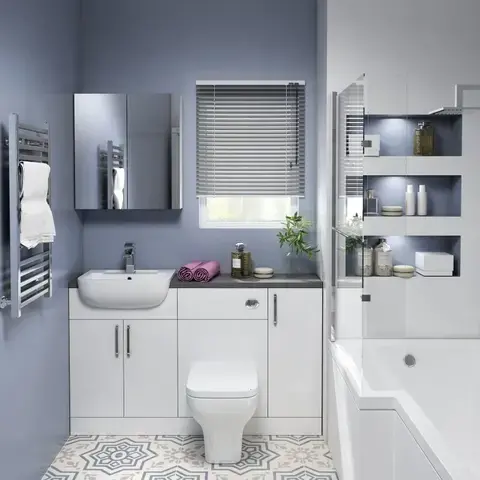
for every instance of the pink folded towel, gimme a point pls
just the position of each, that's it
(206, 271)
(185, 273)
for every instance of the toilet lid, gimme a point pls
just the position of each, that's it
(222, 380)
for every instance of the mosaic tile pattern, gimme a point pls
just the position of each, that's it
(182, 457)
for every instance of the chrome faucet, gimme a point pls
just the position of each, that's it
(129, 256)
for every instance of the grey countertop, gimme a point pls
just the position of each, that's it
(226, 281)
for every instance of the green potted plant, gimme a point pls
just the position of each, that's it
(294, 235)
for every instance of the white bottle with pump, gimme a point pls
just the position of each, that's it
(409, 201)
(421, 200)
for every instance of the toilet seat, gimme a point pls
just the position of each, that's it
(222, 380)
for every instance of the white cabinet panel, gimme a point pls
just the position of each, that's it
(349, 312)
(151, 368)
(410, 461)
(295, 352)
(96, 371)
(384, 315)
(218, 341)
(222, 304)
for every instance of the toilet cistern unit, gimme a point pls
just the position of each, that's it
(223, 397)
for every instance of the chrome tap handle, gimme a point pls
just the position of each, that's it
(129, 248)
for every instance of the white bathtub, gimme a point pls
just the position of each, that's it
(437, 401)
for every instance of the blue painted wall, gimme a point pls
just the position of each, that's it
(165, 46)
(38, 55)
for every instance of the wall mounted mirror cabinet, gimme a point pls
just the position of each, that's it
(128, 153)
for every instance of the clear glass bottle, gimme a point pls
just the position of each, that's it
(236, 260)
(247, 268)
(370, 203)
(418, 139)
(428, 136)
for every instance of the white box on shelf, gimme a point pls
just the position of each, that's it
(434, 273)
(374, 149)
(433, 262)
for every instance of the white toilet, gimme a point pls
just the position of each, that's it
(223, 397)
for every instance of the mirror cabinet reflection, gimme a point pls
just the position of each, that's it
(128, 153)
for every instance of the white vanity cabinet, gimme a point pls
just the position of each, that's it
(128, 368)
(96, 368)
(123, 368)
(295, 352)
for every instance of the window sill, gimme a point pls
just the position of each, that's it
(241, 225)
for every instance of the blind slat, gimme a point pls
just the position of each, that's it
(251, 140)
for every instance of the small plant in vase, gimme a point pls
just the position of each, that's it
(353, 245)
(294, 235)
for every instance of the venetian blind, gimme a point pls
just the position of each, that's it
(251, 140)
(351, 136)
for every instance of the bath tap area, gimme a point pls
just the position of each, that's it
(239, 240)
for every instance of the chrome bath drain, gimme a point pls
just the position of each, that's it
(409, 360)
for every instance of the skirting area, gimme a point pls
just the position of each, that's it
(188, 426)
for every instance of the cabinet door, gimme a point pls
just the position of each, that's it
(96, 368)
(295, 352)
(151, 368)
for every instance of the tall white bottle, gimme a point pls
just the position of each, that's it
(422, 200)
(409, 201)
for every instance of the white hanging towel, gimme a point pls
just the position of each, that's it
(118, 186)
(36, 219)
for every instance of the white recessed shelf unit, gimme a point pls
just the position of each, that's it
(396, 167)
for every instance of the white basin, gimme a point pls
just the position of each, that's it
(119, 290)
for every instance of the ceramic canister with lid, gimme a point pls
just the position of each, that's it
(383, 259)
(364, 261)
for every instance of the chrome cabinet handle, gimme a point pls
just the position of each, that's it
(128, 341)
(116, 341)
(275, 319)
(252, 303)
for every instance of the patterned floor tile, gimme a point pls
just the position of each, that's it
(54, 474)
(309, 452)
(182, 457)
(175, 473)
(257, 462)
(114, 456)
(305, 473)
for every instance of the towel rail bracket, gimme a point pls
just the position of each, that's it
(4, 302)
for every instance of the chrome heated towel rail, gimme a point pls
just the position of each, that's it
(30, 270)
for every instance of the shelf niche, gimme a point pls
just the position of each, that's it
(397, 133)
(444, 193)
(404, 249)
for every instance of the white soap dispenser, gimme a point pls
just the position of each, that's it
(409, 201)
(422, 200)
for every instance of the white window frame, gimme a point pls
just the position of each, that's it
(204, 222)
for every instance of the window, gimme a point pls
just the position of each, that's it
(250, 153)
